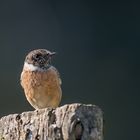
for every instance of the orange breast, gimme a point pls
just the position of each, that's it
(42, 88)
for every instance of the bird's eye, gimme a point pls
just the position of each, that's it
(36, 56)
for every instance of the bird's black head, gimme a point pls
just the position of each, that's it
(40, 58)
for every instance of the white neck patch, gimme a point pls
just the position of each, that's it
(31, 67)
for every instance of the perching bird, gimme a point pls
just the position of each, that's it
(40, 80)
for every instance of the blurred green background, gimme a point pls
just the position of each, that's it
(98, 56)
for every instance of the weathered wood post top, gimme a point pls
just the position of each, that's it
(68, 122)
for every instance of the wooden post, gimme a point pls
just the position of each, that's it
(69, 122)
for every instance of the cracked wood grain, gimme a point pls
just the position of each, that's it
(69, 122)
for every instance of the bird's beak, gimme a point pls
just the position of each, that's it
(52, 54)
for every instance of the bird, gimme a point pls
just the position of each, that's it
(41, 80)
